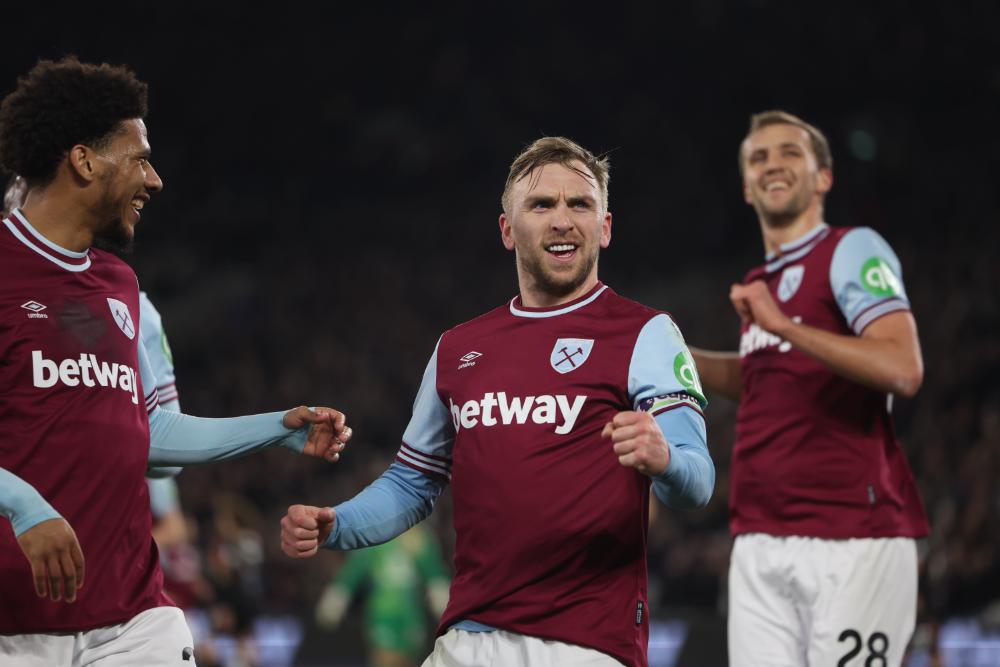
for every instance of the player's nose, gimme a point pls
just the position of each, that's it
(153, 181)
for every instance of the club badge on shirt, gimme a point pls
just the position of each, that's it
(568, 354)
(791, 278)
(121, 316)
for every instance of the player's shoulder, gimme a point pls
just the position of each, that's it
(491, 319)
(639, 315)
(110, 264)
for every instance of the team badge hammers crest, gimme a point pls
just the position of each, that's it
(121, 316)
(570, 353)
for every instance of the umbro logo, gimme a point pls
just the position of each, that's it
(469, 359)
(36, 309)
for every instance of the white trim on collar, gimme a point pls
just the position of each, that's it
(517, 312)
(82, 257)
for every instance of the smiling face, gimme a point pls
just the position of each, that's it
(125, 179)
(781, 177)
(556, 224)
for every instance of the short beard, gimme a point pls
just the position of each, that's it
(115, 237)
(544, 282)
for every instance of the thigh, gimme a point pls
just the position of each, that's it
(865, 616)
(155, 638)
(36, 650)
(764, 626)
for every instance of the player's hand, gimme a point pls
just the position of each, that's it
(56, 560)
(304, 528)
(638, 442)
(328, 434)
(754, 303)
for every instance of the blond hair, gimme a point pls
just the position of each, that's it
(558, 150)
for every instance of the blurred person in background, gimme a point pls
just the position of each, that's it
(823, 507)
(396, 575)
(550, 416)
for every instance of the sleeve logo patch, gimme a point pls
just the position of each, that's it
(878, 279)
(685, 372)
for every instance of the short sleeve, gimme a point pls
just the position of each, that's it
(866, 278)
(430, 434)
(662, 375)
(161, 358)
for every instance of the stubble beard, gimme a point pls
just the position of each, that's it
(787, 214)
(114, 235)
(553, 284)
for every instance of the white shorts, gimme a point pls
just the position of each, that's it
(461, 648)
(154, 638)
(807, 601)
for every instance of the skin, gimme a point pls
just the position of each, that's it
(785, 185)
(552, 205)
(100, 191)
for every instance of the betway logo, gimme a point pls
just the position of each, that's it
(87, 369)
(755, 338)
(518, 410)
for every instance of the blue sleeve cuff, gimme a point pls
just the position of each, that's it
(177, 439)
(389, 506)
(22, 504)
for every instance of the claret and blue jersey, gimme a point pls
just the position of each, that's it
(550, 528)
(816, 454)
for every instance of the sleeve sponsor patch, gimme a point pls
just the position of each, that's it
(878, 278)
(658, 404)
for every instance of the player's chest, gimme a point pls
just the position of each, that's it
(63, 317)
(547, 378)
(801, 290)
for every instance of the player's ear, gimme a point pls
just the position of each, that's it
(606, 230)
(81, 162)
(505, 232)
(824, 181)
(746, 193)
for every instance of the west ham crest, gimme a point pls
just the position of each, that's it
(570, 353)
(119, 311)
(791, 278)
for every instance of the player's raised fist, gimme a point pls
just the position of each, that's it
(56, 560)
(638, 442)
(304, 528)
(754, 303)
(328, 433)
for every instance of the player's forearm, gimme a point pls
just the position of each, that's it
(882, 364)
(22, 504)
(389, 506)
(177, 439)
(689, 479)
(719, 371)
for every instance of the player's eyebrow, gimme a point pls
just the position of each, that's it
(574, 200)
(531, 201)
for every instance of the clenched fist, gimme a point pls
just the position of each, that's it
(304, 528)
(638, 442)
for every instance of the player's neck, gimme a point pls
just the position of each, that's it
(777, 235)
(61, 221)
(533, 297)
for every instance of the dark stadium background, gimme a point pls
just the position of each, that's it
(332, 189)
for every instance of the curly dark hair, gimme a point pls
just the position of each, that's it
(59, 104)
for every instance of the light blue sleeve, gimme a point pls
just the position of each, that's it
(406, 492)
(154, 339)
(866, 278)
(22, 504)
(177, 439)
(430, 434)
(163, 496)
(663, 380)
(388, 507)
